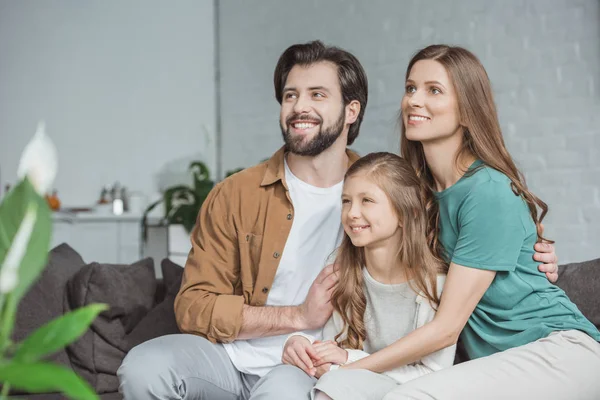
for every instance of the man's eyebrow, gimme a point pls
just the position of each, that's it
(323, 88)
(293, 89)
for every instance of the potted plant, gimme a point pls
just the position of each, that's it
(25, 228)
(182, 202)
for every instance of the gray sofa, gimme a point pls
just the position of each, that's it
(142, 308)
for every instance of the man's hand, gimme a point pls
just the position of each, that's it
(298, 351)
(546, 254)
(329, 352)
(317, 307)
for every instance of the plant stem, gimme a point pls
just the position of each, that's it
(7, 316)
(5, 389)
(7, 311)
(1, 303)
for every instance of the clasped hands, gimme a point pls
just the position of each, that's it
(313, 358)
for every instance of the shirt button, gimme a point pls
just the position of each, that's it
(289, 216)
(265, 289)
(276, 255)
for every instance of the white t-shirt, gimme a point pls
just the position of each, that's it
(316, 232)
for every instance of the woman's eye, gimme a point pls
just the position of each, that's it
(367, 201)
(290, 95)
(410, 89)
(345, 201)
(320, 95)
(435, 90)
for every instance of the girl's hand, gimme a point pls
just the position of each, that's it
(299, 352)
(322, 370)
(329, 352)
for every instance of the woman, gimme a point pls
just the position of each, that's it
(526, 339)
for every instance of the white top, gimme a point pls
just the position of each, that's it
(384, 316)
(316, 232)
(390, 312)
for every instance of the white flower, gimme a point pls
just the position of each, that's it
(16, 252)
(39, 161)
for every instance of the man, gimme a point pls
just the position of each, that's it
(255, 272)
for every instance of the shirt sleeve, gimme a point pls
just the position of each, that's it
(491, 230)
(206, 304)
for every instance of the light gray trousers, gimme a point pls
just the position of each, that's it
(190, 367)
(562, 366)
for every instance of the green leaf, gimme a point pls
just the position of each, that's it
(202, 190)
(58, 333)
(7, 322)
(201, 178)
(200, 171)
(170, 194)
(12, 212)
(186, 215)
(42, 377)
(233, 171)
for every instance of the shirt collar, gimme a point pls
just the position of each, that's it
(276, 166)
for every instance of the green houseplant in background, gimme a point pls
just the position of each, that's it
(183, 202)
(25, 229)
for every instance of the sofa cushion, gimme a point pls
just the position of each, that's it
(129, 292)
(172, 275)
(44, 301)
(581, 282)
(160, 320)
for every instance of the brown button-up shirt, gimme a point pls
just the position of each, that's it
(236, 247)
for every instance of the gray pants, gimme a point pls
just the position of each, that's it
(191, 367)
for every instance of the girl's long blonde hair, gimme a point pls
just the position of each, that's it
(419, 251)
(482, 136)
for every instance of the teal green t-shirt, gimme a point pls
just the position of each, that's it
(484, 225)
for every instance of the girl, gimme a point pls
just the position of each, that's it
(526, 339)
(390, 277)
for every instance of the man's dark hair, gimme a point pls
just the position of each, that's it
(352, 77)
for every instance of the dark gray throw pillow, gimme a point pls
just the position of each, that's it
(129, 292)
(172, 275)
(160, 320)
(581, 282)
(44, 301)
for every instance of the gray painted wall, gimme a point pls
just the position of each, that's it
(126, 88)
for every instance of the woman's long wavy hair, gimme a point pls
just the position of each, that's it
(482, 136)
(419, 251)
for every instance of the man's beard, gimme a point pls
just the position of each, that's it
(319, 143)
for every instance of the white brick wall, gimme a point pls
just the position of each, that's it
(543, 58)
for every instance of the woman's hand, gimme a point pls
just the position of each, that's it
(329, 352)
(298, 351)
